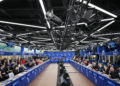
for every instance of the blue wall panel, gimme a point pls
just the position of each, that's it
(59, 54)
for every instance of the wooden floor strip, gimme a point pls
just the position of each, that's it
(47, 78)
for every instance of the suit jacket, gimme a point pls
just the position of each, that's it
(15, 71)
(114, 75)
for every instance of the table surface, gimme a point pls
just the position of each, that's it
(77, 78)
(46, 78)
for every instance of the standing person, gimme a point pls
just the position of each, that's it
(0, 60)
(97, 58)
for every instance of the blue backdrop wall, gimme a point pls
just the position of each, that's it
(69, 54)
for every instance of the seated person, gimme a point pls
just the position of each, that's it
(100, 68)
(105, 70)
(74, 58)
(118, 69)
(23, 61)
(8, 69)
(30, 64)
(39, 62)
(95, 66)
(36, 62)
(89, 65)
(113, 73)
(33, 62)
(2, 69)
(80, 60)
(16, 70)
(109, 65)
(4, 74)
(14, 65)
(5, 63)
(22, 68)
(1, 77)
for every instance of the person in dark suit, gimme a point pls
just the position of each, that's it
(95, 66)
(4, 74)
(2, 69)
(1, 77)
(30, 65)
(118, 69)
(113, 73)
(16, 70)
(22, 68)
(5, 63)
(109, 65)
(8, 69)
(105, 70)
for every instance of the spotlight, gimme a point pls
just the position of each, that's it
(1, 0)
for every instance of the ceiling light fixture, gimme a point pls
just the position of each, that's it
(24, 34)
(1, 0)
(9, 35)
(44, 12)
(100, 9)
(21, 24)
(1, 30)
(106, 39)
(103, 27)
(83, 39)
(40, 38)
(107, 34)
(23, 39)
(110, 19)
(71, 25)
(44, 40)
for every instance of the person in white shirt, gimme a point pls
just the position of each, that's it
(89, 65)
